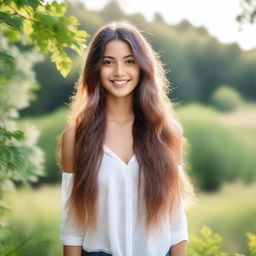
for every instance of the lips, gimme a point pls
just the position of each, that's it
(120, 82)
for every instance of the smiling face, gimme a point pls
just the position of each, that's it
(119, 72)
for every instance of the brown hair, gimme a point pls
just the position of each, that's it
(156, 140)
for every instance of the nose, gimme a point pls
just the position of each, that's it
(119, 69)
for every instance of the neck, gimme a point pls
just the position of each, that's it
(119, 109)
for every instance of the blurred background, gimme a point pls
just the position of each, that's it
(209, 51)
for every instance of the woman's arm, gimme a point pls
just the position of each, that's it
(179, 249)
(67, 150)
(70, 250)
(72, 240)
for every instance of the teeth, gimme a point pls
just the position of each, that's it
(120, 82)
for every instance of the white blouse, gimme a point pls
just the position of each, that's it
(120, 234)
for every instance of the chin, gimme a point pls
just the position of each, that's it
(119, 94)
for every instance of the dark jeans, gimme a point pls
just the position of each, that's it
(85, 253)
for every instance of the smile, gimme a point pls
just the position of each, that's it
(120, 82)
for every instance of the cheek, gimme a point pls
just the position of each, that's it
(135, 73)
(103, 74)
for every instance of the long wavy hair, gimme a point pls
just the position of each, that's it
(156, 142)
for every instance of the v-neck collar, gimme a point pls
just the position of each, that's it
(108, 150)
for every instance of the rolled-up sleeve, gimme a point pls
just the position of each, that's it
(69, 235)
(178, 223)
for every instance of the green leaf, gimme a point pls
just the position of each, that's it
(73, 20)
(18, 135)
(4, 210)
(7, 64)
(28, 3)
(12, 21)
(253, 16)
(252, 243)
(50, 31)
(240, 18)
(63, 63)
(56, 8)
(12, 35)
(206, 232)
(6, 58)
(208, 244)
(27, 27)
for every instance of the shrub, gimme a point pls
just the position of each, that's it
(209, 244)
(50, 127)
(226, 99)
(215, 151)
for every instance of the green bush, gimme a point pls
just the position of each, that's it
(209, 244)
(32, 241)
(252, 243)
(216, 152)
(34, 222)
(39, 221)
(40, 243)
(226, 99)
(50, 127)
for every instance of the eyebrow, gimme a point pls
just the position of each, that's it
(110, 57)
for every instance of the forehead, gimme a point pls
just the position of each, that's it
(117, 48)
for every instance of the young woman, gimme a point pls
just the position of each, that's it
(123, 185)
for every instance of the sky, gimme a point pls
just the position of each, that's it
(216, 15)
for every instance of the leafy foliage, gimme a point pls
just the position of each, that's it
(20, 159)
(44, 26)
(197, 63)
(248, 13)
(27, 23)
(225, 98)
(7, 66)
(252, 243)
(209, 244)
(217, 152)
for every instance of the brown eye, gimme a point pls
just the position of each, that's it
(107, 62)
(130, 61)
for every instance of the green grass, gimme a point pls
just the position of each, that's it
(51, 125)
(230, 212)
(35, 216)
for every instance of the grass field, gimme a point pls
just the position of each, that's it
(244, 117)
(231, 212)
